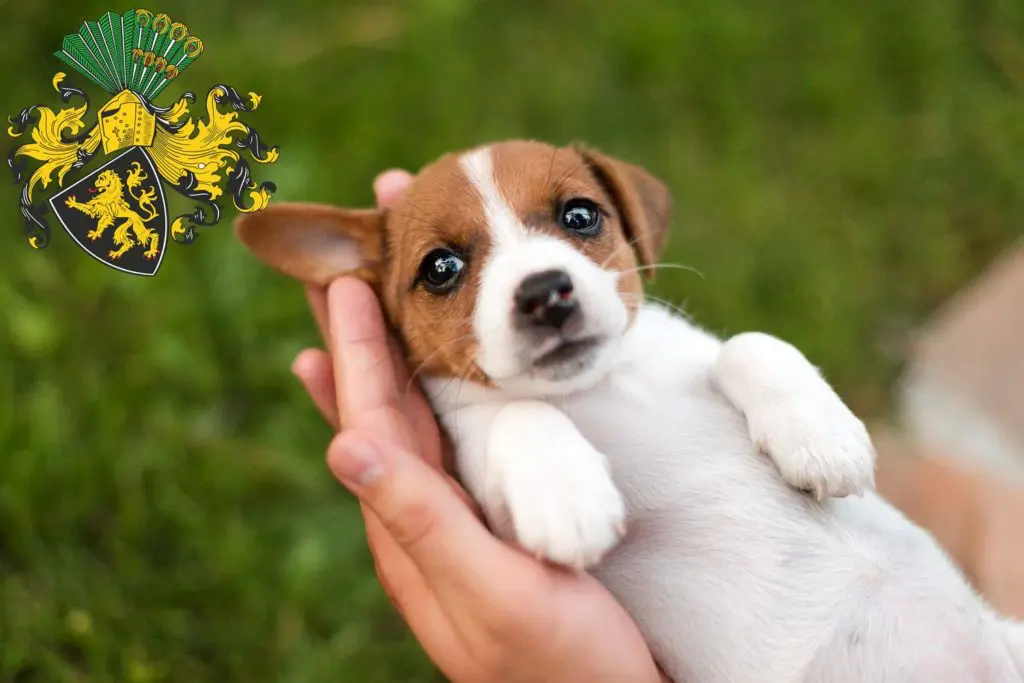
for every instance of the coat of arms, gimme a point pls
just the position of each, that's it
(118, 212)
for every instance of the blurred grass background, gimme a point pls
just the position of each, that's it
(840, 170)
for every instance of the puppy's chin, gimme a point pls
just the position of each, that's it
(559, 367)
(535, 363)
(548, 320)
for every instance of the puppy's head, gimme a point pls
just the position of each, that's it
(516, 264)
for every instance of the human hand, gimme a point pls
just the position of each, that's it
(481, 609)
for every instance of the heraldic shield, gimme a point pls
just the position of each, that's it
(118, 213)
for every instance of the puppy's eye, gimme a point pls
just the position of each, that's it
(440, 271)
(580, 216)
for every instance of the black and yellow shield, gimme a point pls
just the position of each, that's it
(118, 213)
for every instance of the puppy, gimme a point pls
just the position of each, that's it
(602, 431)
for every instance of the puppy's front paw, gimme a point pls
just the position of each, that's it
(817, 443)
(570, 514)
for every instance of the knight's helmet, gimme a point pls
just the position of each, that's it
(126, 122)
(133, 56)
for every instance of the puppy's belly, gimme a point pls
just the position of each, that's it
(708, 568)
(735, 578)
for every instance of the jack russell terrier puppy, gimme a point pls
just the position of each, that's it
(721, 491)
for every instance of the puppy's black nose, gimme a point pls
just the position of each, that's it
(546, 299)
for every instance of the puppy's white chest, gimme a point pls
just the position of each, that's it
(656, 437)
(667, 432)
(710, 525)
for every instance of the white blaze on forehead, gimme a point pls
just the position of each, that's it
(504, 352)
(478, 166)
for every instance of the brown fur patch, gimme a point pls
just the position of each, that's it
(440, 209)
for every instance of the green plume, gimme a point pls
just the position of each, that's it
(137, 50)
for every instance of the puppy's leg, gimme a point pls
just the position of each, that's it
(550, 484)
(558, 488)
(538, 481)
(795, 417)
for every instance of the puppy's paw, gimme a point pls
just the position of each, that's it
(571, 514)
(817, 444)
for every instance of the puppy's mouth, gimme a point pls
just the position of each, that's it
(565, 350)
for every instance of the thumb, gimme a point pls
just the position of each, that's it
(420, 510)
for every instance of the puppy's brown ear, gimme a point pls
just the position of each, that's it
(643, 201)
(315, 243)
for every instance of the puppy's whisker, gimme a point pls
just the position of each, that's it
(676, 308)
(658, 266)
(433, 354)
(462, 376)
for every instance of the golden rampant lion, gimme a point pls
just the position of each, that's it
(111, 206)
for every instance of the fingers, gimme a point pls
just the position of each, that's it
(406, 589)
(422, 515)
(315, 374)
(313, 368)
(368, 394)
(397, 573)
(390, 185)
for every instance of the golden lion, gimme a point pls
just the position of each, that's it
(111, 205)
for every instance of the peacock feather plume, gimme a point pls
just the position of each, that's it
(136, 51)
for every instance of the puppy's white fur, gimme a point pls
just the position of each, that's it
(733, 575)
(515, 254)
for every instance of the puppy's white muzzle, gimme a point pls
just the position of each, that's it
(547, 318)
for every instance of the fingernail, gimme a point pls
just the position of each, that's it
(355, 461)
(299, 364)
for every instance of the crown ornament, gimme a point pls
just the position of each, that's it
(133, 56)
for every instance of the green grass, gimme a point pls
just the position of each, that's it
(165, 514)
